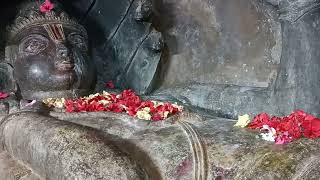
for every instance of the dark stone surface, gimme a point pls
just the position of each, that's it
(186, 146)
(60, 150)
(124, 39)
(294, 86)
(6, 78)
(219, 42)
(298, 83)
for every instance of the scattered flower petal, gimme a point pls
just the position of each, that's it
(47, 6)
(110, 85)
(269, 135)
(243, 121)
(3, 95)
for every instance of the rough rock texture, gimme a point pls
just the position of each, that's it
(219, 42)
(298, 83)
(187, 146)
(11, 170)
(295, 86)
(60, 150)
(227, 101)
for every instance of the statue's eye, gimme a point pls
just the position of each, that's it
(34, 45)
(78, 41)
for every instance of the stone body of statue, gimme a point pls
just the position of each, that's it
(48, 53)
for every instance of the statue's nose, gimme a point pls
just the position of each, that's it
(62, 51)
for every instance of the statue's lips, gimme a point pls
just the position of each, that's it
(65, 66)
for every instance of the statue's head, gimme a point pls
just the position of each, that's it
(49, 54)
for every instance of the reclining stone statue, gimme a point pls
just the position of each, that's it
(47, 56)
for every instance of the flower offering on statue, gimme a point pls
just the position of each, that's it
(127, 101)
(283, 130)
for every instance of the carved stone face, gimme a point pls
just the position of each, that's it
(143, 11)
(52, 61)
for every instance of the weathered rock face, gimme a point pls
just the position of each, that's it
(219, 42)
(296, 81)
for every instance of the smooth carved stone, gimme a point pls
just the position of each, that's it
(60, 150)
(126, 43)
(186, 146)
(141, 72)
(49, 54)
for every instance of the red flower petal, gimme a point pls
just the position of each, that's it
(69, 106)
(259, 121)
(3, 95)
(110, 85)
(156, 117)
(47, 6)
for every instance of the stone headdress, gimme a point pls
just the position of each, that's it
(30, 15)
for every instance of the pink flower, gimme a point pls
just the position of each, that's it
(284, 138)
(47, 6)
(3, 95)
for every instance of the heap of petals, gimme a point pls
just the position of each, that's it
(283, 130)
(127, 101)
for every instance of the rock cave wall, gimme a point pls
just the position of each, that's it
(219, 42)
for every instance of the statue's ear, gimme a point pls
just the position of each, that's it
(7, 80)
(11, 54)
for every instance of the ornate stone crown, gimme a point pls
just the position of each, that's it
(30, 16)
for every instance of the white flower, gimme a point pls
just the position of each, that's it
(104, 102)
(146, 109)
(270, 135)
(143, 115)
(243, 121)
(165, 114)
(91, 96)
(59, 103)
(106, 94)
